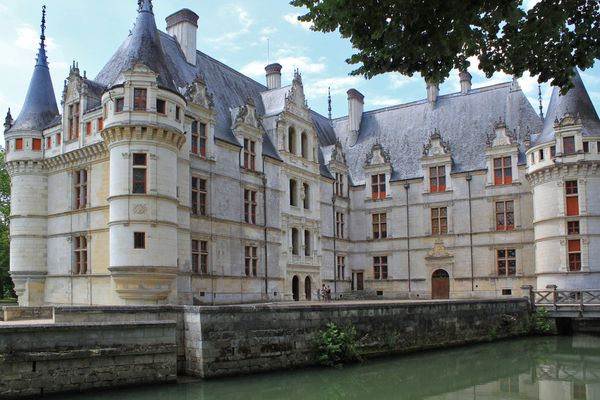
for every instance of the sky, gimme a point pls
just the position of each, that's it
(244, 34)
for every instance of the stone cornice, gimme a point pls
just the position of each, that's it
(24, 167)
(95, 152)
(145, 133)
(560, 170)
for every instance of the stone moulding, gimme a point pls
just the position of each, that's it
(126, 133)
(146, 284)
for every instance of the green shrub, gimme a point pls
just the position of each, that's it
(336, 346)
(540, 322)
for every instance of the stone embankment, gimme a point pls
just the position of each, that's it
(92, 347)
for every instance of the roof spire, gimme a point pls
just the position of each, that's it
(540, 100)
(145, 6)
(329, 101)
(41, 57)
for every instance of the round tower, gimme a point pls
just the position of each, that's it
(143, 130)
(563, 171)
(29, 196)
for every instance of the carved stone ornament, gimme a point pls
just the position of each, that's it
(436, 146)
(139, 209)
(197, 93)
(501, 135)
(245, 114)
(337, 153)
(568, 119)
(378, 155)
(295, 101)
(439, 250)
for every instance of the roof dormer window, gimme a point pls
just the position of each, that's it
(569, 145)
(502, 170)
(139, 99)
(437, 179)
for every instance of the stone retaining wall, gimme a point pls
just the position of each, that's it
(231, 340)
(15, 313)
(45, 358)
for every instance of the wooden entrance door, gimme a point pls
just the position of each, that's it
(307, 288)
(359, 281)
(440, 285)
(295, 288)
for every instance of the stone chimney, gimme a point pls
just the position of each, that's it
(465, 81)
(183, 26)
(433, 90)
(273, 72)
(355, 111)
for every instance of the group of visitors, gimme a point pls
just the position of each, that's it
(324, 293)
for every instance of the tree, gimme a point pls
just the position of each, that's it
(434, 36)
(6, 285)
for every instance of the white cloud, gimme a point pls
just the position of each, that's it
(242, 26)
(293, 19)
(338, 85)
(3, 8)
(383, 101)
(28, 38)
(289, 64)
(397, 80)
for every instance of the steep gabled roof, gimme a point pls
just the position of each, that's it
(40, 106)
(576, 102)
(464, 121)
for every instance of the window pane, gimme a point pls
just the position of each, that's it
(139, 159)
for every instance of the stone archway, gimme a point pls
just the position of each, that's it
(307, 288)
(296, 288)
(440, 284)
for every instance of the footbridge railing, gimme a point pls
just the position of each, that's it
(567, 303)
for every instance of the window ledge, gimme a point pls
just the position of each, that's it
(437, 193)
(514, 183)
(372, 200)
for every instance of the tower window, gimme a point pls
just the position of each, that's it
(161, 106)
(574, 250)
(569, 145)
(139, 172)
(139, 240)
(119, 104)
(541, 154)
(88, 128)
(100, 124)
(36, 144)
(572, 197)
(586, 147)
(139, 99)
(49, 142)
(573, 228)
(19, 144)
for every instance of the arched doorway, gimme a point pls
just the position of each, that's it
(295, 288)
(440, 284)
(307, 289)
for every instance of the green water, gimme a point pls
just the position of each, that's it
(554, 368)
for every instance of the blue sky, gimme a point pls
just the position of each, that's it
(245, 34)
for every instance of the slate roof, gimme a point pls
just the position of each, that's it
(40, 106)
(464, 120)
(577, 102)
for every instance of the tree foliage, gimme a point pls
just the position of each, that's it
(432, 37)
(336, 346)
(6, 285)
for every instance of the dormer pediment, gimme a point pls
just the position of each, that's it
(245, 115)
(568, 120)
(501, 136)
(295, 101)
(377, 157)
(436, 146)
(197, 93)
(337, 154)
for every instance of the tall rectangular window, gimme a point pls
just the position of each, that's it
(341, 267)
(586, 147)
(572, 197)
(88, 128)
(250, 206)
(380, 267)
(200, 256)
(378, 186)
(161, 106)
(139, 172)
(339, 225)
(437, 179)
(119, 104)
(81, 259)
(379, 223)
(58, 138)
(506, 261)
(502, 170)
(505, 215)
(81, 183)
(139, 240)
(139, 99)
(541, 152)
(48, 142)
(19, 144)
(199, 196)
(552, 151)
(100, 124)
(36, 144)
(573, 228)
(251, 260)
(195, 137)
(177, 113)
(569, 145)
(249, 154)
(339, 184)
(73, 119)
(439, 220)
(202, 139)
(574, 250)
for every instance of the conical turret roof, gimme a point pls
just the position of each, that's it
(142, 46)
(577, 103)
(39, 107)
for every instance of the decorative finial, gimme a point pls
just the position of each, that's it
(329, 101)
(8, 121)
(41, 58)
(540, 100)
(145, 5)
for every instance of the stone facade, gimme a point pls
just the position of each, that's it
(172, 179)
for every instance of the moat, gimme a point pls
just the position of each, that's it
(566, 367)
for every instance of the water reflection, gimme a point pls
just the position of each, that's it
(555, 368)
